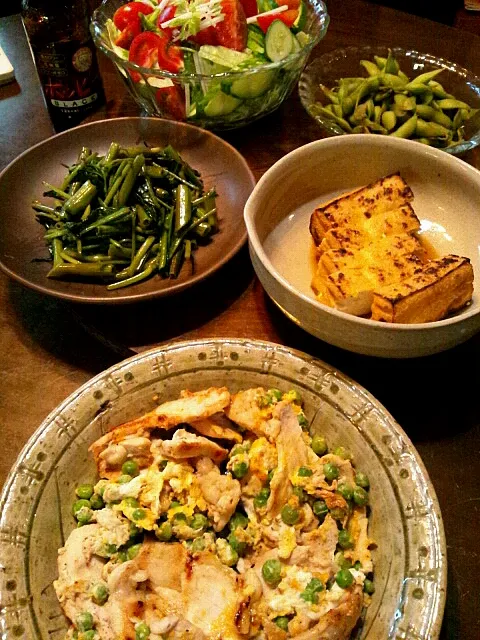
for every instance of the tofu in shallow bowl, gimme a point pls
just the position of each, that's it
(371, 244)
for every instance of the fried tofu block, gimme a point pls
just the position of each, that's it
(355, 208)
(439, 287)
(352, 289)
(386, 248)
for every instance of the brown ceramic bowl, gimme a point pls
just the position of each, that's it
(21, 236)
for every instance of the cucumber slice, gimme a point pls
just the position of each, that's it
(221, 104)
(252, 86)
(278, 41)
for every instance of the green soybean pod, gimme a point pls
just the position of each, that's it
(438, 90)
(427, 76)
(380, 62)
(441, 118)
(430, 129)
(449, 103)
(425, 111)
(389, 120)
(407, 129)
(417, 88)
(370, 67)
(391, 64)
(377, 113)
(391, 81)
(330, 94)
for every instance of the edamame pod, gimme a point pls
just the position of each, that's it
(389, 120)
(407, 129)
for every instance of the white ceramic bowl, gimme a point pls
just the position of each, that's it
(446, 199)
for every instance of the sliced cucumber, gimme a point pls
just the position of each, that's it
(221, 104)
(296, 45)
(252, 86)
(278, 41)
(303, 38)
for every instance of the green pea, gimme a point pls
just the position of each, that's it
(164, 532)
(300, 494)
(341, 452)
(84, 491)
(338, 513)
(330, 471)
(305, 472)
(240, 546)
(89, 635)
(142, 631)
(84, 516)
(238, 520)
(345, 490)
(132, 552)
(198, 545)
(162, 465)
(344, 578)
(122, 556)
(237, 450)
(341, 561)
(276, 393)
(138, 514)
(134, 530)
(319, 445)
(84, 621)
(240, 469)
(358, 565)
(360, 496)
(368, 587)
(100, 594)
(131, 502)
(362, 480)
(310, 593)
(320, 509)
(264, 401)
(110, 549)
(270, 476)
(124, 478)
(130, 468)
(174, 504)
(199, 521)
(80, 504)
(345, 539)
(289, 514)
(302, 421)
(96, 502)
(179, 517)
(282, 622)
(271, 572)
(261, 498)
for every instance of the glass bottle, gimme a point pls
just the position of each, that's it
(65, 57)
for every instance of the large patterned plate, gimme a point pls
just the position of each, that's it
(35, 518)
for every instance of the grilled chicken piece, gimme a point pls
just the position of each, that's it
(317, 551)
(216, 427)
(441, 286)
(212, 597)
(386, 247)
(135, 447)
(338, 623)
(355, 208)
(292, 453)
(352, 289)
(221, 492)
(186, 445)
(245, 411)
(189, 408)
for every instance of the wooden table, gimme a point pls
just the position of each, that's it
(48, 348)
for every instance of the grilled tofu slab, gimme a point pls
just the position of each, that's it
(356, 209)
(439, 287)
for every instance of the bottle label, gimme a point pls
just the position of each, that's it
(75, 104)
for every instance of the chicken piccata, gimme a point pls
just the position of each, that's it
(218, 516)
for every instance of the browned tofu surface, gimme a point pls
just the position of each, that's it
(439, 287)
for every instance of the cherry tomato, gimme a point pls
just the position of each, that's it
(171, 102)
(170, 56)
(287, 17)
(232, 31)
(205, 36)
(126, 36)
(130, 12)
(144, 51)
(250, 7)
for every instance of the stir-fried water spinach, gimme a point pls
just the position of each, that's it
(125, 216)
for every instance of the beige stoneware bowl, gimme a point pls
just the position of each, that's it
(35, 505)
(446, 199)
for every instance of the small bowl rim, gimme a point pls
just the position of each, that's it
(362, 51)
(319, 7)
(354, 138)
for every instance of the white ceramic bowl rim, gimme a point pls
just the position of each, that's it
(351, 139)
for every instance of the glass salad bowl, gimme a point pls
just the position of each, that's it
(455, 83)
(215, 87)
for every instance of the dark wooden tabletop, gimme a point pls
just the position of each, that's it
(48, 347)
